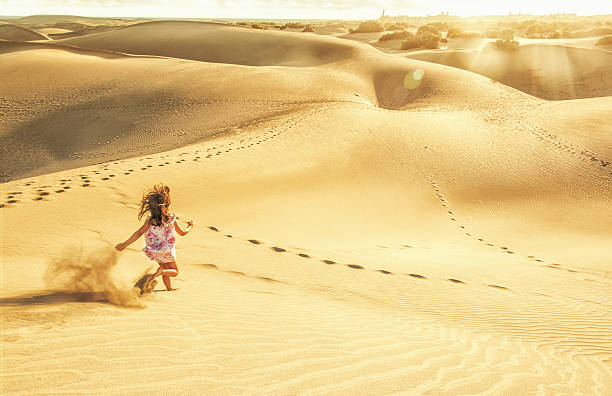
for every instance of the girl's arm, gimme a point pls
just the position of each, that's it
(134, 236)
(180, 231)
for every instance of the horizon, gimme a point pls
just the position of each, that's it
(297, 10)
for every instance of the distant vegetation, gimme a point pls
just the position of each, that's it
(427, 36)
(460, 33)
(369, 27)
(554, 26)
(506, 43)
(396, 35)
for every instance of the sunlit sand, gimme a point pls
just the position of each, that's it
(368, 220)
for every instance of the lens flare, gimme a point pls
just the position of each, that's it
(413, 79)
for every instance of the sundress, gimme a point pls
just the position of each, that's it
(160, 241)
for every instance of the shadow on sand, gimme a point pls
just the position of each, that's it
(50, 298)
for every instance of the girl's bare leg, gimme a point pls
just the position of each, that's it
(168, 270)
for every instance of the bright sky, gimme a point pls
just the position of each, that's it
(297, 9)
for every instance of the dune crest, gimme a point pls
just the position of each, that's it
(18, 33)
(212, 42)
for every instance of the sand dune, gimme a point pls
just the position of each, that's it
(18, 33)
(357, 231)
(220, 43)
(550, 72)
(81, 32)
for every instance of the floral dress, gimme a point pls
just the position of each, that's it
(160, 241)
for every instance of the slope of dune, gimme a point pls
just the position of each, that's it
(219, 43)
(86, 100)
(579, 126)
(550, 72)
(49, 19)
(82, 32)
(374, 225)
(18, 33)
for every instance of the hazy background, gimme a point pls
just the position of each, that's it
(304, 9)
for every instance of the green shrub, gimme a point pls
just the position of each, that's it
(607, 40)
(403, 34)
(369, 27)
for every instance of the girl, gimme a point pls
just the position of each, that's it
(159, 230)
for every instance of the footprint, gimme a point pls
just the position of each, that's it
(456, 280)
(354, 266)
(255, 242)
(382, 271)
(59, 191)
(417, 276)
(43, 193)
(498, 287)
(229, 236)
(328, 261)
(213, 228)
(303, 255)
(278, 249)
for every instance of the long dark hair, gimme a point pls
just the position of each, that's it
(157, 202)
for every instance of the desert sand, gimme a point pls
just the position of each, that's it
(366, 223)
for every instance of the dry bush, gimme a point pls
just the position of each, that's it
(429, 28)
(394, 26)
(409, 43)
(507, 35)
(493, 33)
(294, 25)
(458, 33)
(428, 40)
(503, 45)
(403, 34)
(309, 29)
(260, 26)
(607, 40)
(369, 27)
(454, 32)
(421, 40)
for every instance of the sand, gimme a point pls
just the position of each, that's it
(548, 71)
(18, 33)
(353, 236)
